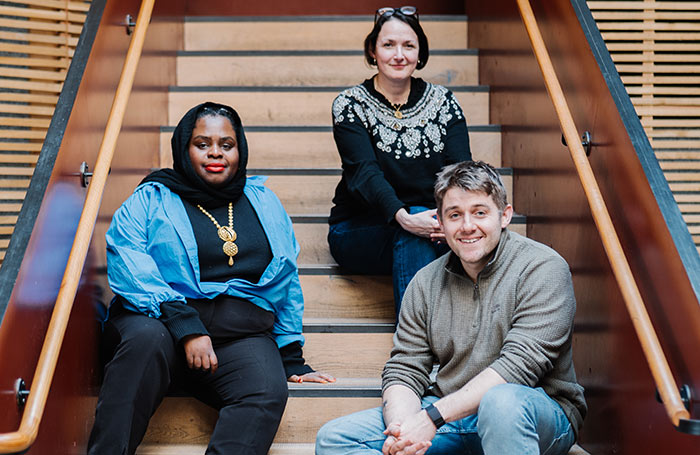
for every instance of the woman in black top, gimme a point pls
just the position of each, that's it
(394, 133)
(202, 262)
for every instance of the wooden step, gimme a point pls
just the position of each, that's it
(184, 420)
(276, 449)
(347, 296)
(327, 296)
(314, 147)
(310, 231)
(310, 68)
(299, 193)
(280, 106)
(192, 449)
(303, 32)
(361, 355)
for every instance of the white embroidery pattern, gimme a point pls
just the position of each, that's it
(420, 132)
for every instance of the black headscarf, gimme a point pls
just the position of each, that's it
(183, 180)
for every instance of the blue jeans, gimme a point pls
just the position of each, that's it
(511, 419)
(367, 245)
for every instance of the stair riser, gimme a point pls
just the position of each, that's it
(187, 421)
(300, 194)
(357, 355)
(274, 108)
(317, 150)
(281, 35)
(305, 71)
(330, 296)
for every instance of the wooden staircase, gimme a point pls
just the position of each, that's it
(282, 75)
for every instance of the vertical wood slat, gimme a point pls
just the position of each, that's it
(661, 77)
(36, 45)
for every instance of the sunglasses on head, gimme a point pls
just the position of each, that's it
(388, 11)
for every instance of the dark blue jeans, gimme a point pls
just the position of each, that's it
(367, 245)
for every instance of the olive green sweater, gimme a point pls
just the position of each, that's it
(517, 319)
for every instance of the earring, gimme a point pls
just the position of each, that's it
(374, 61)
(420, 63)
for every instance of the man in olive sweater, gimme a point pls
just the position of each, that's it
(497, 314)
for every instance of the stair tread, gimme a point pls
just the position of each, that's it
(189, 449)
(276, 449)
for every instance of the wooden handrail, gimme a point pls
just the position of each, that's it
(24, 437)
(653, 352)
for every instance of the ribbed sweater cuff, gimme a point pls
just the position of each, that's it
(293, 360)
(181, 320)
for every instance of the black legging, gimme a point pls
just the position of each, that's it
(249, 388)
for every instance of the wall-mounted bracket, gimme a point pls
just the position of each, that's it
(85, 174)
(129, 23)
(21, 392)
(586, 142)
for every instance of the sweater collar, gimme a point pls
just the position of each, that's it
(454, 265)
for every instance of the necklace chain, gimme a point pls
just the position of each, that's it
(226, 233)
(397, 106)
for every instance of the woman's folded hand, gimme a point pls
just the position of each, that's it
(199, 353)
(422, 224)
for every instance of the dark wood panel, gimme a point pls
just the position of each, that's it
(624, 416)
(311, 7)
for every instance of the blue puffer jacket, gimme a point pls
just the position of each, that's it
(152, 258)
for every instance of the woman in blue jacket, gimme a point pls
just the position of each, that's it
(202, 262)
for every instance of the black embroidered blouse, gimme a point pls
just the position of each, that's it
(389, 162)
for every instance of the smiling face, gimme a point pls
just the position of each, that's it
(396, 50)
(213, 150)
(472, 225)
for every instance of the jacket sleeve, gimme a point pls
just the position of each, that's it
(361, 171)
(131, 270)
(411, 357)
(541, 323)
(288, 327)
(457, 139)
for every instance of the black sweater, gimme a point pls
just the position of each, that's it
(390, 163)
(254, 254)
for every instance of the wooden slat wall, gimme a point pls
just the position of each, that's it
(37, 41)
(656, 48)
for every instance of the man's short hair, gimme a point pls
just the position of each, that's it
(471, 176)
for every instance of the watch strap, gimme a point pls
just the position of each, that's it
(435, 416)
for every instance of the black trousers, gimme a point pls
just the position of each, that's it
(249, 388)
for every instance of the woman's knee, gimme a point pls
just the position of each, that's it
(276, 394)
(145, 338)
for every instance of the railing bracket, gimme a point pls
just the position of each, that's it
(21, 392)
(686, 396)
(85, 174)
(586, 142)
(129, 23)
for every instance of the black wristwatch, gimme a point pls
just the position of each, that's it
(435, 416)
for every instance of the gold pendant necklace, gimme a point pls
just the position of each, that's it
(397, 110)
(226, 233)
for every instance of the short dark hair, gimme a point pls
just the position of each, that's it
(471, 176)
(412, 21)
